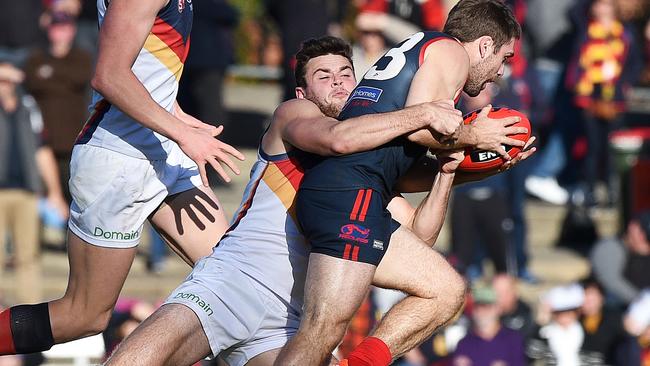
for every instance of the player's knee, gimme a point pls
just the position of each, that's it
(89, 321)
(323, 325)
(457, 290)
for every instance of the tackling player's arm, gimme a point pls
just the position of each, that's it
(300, 123)
(427, 219)
(122, 35)
(443, 78)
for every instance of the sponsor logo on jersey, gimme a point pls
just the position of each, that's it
(115, 235)
(195, 299)
(355, 233)
(367, 93)
(181, 5)
(378, 244)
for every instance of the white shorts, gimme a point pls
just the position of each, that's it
(240, 317)
(113, 193)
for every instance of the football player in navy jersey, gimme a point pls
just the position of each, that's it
(244, 324)
(353, 191)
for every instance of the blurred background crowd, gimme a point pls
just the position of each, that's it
(581, 73)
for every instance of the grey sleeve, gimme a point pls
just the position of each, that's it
(608, 262)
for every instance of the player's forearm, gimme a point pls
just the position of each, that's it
(430, 214)
(126, 92)
(464, 137)
(369, 131)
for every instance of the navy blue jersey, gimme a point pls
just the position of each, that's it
(384, 88)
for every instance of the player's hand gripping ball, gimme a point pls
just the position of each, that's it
(484, 161)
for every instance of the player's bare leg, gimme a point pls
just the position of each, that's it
(436, 292)
(180, 340)
(191, 222)
(96, 277)
(334, 290)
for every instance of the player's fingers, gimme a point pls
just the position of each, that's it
(217, 131)
(504, 154)
(530, 142)
(217, 167)
(526, 154)
(507, 121)
(204, 175)
(484, 112)
(515, 130)
(513, 142)
(232, 151)
(226, 160)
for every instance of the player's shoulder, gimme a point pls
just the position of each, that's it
(293, 108)
(447, 54)
(447, 48)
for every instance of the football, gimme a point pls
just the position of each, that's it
(483, 161)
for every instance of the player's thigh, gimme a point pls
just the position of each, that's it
(192, 222)
(96, 277)
(172, 335)
(264, 359)
(334, 289)
(412, 266)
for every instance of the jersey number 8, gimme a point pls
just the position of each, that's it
(397, 62)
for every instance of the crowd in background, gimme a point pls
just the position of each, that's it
(579, 73)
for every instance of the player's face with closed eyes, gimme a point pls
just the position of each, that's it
(330, 80)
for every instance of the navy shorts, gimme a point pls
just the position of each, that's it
(352, 224)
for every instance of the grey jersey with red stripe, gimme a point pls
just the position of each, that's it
(384, 88)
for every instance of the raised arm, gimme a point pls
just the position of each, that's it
(427, 219)
(123, 33)
(301, 124)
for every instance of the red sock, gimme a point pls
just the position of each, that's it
(371, 352)
(6, 338)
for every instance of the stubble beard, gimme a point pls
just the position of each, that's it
(476, 79)
(329, 109)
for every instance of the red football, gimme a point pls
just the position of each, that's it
(483, 161)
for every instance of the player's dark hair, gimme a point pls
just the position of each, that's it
(472, 19)
(315, 47)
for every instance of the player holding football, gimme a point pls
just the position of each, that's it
(138, 157)
(335, 192)
(245, 300)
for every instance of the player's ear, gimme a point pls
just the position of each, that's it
(486, 46)
(300, 93)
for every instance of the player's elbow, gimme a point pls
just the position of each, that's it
(100, 82)
(340, 147)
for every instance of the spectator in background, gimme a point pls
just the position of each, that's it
(299, 20)
(605, 61)
(488, 342)
(87, 31)
(212, 51)
(549, 27)
(637, 324)
(560, 337)
(484, 207)
(22, 157)
(370, 46)
(127, 315)
(621, 264)
(603, 327)
(59, 79)
(19, 30)
(515, 314)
